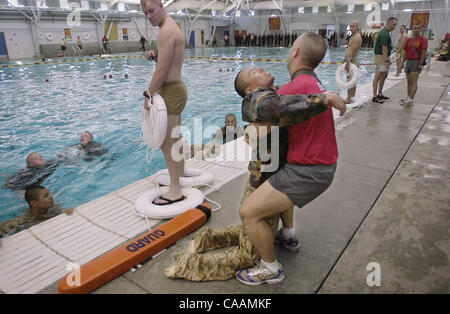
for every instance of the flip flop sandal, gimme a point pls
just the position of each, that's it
(383, 97)
(167, 200)
(377, 100)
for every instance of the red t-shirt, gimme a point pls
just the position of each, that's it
(421, 44)
(311, 142)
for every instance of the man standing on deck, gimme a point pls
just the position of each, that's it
(399, 48)
(415, 53)
(382, 50)
(167, 82)
(351, 55)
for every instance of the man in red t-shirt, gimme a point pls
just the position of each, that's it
(310, 167)
(415, 53)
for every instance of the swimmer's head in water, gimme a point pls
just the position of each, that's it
(307, 51)
(39, 196)
(154, 11)
(86, 138)
(250, 79)
(230, 120)
(35, 160)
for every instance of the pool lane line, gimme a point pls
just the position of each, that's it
(262, 60)
(188, 57)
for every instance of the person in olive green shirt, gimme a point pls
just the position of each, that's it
(382, 50)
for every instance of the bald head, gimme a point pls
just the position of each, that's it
(143, 2)
(354, 26)
(307, 51)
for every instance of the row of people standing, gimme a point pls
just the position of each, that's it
(411, 56)
(367, 39)
(269, 40)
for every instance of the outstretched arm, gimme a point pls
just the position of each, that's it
(265, 105)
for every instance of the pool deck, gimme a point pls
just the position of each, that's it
(388, 204)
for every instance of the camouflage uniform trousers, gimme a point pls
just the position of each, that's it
(198, 264)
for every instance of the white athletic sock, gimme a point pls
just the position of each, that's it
(288, 233)
(273, 267)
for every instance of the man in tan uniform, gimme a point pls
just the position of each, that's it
(167, 82)
(399, 48)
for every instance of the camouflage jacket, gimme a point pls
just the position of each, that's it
(264, 105)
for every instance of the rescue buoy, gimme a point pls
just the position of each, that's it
(105, 268)
(41, 35)
(154, 124)
(145, 207)
(86, 35)
(49, 36)
(394, 57)
(133, 35)
(193, 177)
(354, 76)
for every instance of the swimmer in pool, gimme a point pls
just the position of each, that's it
(41, 207)
(36, 171)
(87, 148)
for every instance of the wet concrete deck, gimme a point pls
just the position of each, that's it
(389, 204)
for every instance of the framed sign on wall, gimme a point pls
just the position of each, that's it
(274, 23)
(420, 18)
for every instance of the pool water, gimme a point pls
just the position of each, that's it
(47, 117)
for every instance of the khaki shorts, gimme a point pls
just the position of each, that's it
(380, 64)
(174, 94)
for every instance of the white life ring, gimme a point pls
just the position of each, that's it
(41, 35)
(86, 35)
(394, 56)
(354, 74)
(154, 124)
(146, 208)
(193, 177)
(50, 36)
(133, 35)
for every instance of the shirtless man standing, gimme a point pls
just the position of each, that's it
(399, 48)
(351, 55)
(167, 82)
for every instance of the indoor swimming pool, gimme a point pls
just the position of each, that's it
(45, 108)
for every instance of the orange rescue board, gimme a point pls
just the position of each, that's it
(114, 263)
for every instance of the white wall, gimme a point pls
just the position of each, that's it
(19, 39)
